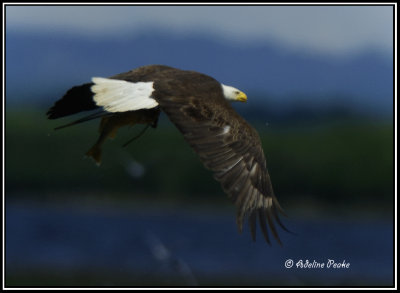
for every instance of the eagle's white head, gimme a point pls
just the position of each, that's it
(233, 94)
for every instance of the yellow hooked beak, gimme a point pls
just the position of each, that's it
(241, 97)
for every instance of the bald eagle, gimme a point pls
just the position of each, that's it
(199, 106)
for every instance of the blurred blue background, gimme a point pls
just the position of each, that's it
(320, 85)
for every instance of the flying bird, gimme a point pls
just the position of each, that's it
(200, 107)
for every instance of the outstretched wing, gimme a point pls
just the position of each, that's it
(227, 145)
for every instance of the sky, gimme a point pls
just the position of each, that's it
(322, 29)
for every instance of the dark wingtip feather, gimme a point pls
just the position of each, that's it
(252, 222)
(278, 220)
(272, 226)
(239, 222)
(278, 206)
(267, 217)
(264, 229)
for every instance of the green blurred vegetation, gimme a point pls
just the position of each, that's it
(345, 161)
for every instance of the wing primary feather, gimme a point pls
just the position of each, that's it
(272, 226)
(263, 225)
(278, 220)
(278, 206)
(252, 222)
(243, 192)
(251, 194)
(240, 205)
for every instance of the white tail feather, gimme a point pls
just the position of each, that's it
(120, 96)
